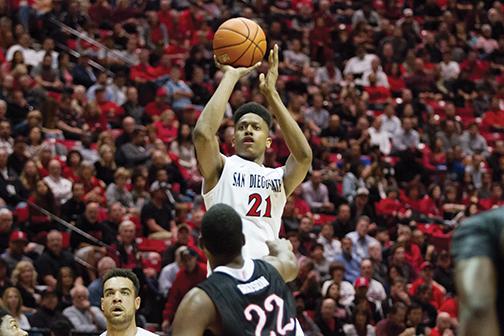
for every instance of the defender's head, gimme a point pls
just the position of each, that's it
(221, 232)
(252, 125)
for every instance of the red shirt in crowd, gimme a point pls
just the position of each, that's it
(183, 283)
(437, 293)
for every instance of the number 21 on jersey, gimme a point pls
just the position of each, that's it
(269, 307)
(258, 206)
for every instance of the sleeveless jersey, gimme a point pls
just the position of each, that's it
(257, 193)
(253, 300)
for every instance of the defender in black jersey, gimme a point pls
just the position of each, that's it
(478, 248)
(242, 296)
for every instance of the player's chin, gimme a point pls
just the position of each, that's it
(247, 152)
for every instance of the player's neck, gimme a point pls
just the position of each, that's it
(130, 330)
(259, 160)
(236, 262)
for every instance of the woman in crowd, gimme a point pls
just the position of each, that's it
(12, 303)
(24, 277)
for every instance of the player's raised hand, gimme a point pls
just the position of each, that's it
(278, 246)
(267, 83)
(238, 72)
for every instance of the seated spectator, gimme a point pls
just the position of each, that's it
(361, 206)
(394, 324)
(118, 191)
(53, 259)
(343, 223)
(157, 215)
(183, 239)
(360, 238)
(95, 288)
(316, 115)
(332, 246)
(360, 325)
(426, 278)
(325, 320)
(12, 303)
(315, 193)
(350, 260)
(359, 64)
(472, 142)
(11, 189)
(398, 260)
(64, 283)
(412, 252)
(135, 153)
(75, 206)
(167, 126)
(106, 166)
(47, 314)
(407, 137)
(125, 252)
(443, 326)
(305, 321)
(178, 90)
(379, 137)
(46, 76)
(85, 248)
(94, 188)
(190, 274)
(29, 176)
(414, 319)
(24, 278)
(154, 109)
(60, 187)
(332, 137)
(423, 297)
(376, 291)
(18, 241)
(84, 317)
(321, 263)
(169, 272)
(40, 222)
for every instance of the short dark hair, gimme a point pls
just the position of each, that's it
(255, 108)
(123, 273)
(221, 231)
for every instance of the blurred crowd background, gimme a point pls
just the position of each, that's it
(402, 102)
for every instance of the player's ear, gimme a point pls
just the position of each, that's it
(101, 304)
(269, 141)
(243, 239)
(138, 301)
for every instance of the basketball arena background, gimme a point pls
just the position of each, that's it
(402, 103)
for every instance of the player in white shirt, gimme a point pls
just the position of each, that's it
(120, 302)
(257, 193)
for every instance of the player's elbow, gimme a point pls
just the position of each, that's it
(291, 270)
(201, 135)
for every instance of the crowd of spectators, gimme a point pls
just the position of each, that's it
(402, 102)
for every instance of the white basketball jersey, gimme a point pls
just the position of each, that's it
(257, 193)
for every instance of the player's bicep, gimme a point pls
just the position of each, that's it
(295, 172)
(195, 314)
(210, 161)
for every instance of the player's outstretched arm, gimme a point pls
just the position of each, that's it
(195, 314)
(282, 258)
(210, 162)
(476, 280)
(300, 158)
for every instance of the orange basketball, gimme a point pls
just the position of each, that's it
(239, 42)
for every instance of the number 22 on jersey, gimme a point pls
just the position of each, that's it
(259, 207)
(269, 306)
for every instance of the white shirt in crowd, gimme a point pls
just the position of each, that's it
(60, 187)
(332, 249)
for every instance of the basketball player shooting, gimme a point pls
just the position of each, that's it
(257, 193)
(242, 296)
